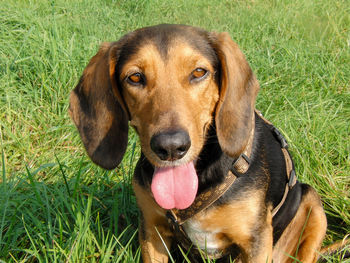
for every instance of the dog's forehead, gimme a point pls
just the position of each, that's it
(166, 37)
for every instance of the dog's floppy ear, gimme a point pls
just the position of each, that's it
(238, 91)
(98, 111)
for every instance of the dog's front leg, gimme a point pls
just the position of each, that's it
(154, 240)
(154, 231)
(261, 251)
(257, 246)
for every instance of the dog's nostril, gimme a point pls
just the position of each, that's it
(182, 149)
(162, 154)
(171, 145)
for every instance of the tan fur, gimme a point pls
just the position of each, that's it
(168, 100)
(236, 222)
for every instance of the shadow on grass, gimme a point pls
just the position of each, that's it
(90, 217)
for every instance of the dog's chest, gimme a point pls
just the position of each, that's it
(201, 237)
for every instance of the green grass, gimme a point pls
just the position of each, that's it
(56, 206)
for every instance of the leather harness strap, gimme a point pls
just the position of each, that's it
(291, 180)
(288, 159)
(239, 167)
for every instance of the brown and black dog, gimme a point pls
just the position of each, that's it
(213, 172)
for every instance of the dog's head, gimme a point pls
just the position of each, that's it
(171, 82)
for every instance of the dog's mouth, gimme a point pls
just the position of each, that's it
(175, 187)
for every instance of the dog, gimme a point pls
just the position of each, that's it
(214, 176)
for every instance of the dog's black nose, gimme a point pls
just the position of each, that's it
(171, 145)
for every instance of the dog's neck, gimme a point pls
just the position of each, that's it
(213, 164)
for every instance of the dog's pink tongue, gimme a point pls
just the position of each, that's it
(175, 187)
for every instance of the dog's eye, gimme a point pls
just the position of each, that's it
(198, 74)
(136, 79)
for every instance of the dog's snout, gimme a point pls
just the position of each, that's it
(171, 145)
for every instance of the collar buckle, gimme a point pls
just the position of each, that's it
(240, 165)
